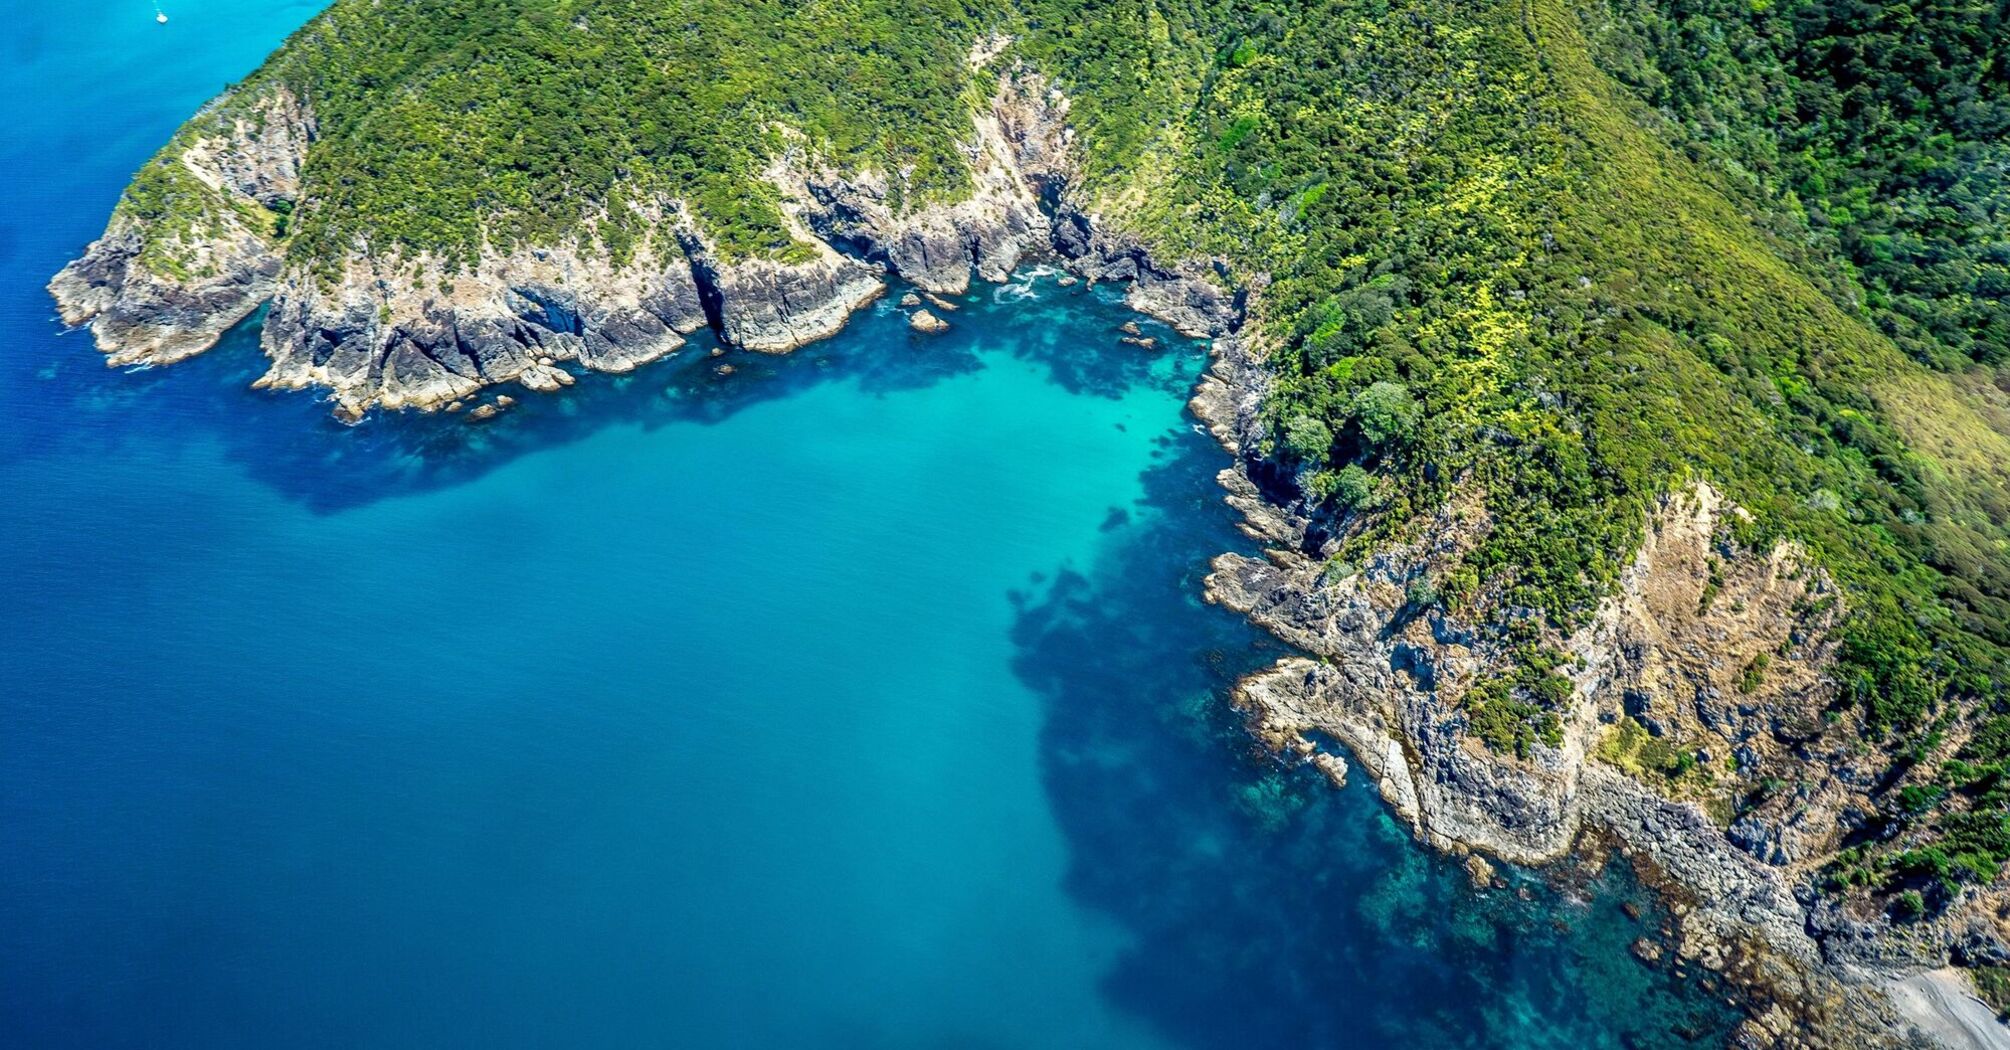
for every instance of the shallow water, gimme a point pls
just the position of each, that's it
(861, 698)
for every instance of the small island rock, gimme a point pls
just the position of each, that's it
(923, 321)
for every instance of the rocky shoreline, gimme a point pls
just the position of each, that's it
(1379, 676)
(415, 334)
(1376, 679)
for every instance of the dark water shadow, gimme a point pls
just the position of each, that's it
(1089, 358)
(1265, 908)
(288, 441)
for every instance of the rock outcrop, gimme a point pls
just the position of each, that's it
(936, 248)
(775, 308)
(413, 333)
(140, 317)
(156, 295)
(398, 341)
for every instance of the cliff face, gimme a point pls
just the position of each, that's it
(154, 293)
(400, 340)
(412, 333)
(1707, 650)
(140, 317)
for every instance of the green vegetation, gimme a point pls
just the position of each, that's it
(1630, 747)
(446, 124)
(1592, 307)
(179, 211)
(1754, 673)
(1907, 905)
(1878, 132)
(1554, 258)
(1514, 711)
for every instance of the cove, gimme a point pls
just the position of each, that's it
(861, 697)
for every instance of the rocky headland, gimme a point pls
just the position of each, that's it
(416, 333)
(1667, 661)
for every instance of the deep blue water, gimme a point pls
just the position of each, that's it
(861, 698)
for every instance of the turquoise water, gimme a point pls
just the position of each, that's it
(861, 698)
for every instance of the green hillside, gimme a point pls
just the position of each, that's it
(1499, 267)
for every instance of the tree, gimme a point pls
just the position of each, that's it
(1308, 438)
(1387, 413)
(1351, 486)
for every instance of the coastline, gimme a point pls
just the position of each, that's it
(520, 317)
(1734, 914)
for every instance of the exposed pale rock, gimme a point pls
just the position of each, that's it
(923, 321)
(141, 313)
(774, 307)
(996, 227)
(444, 337)
(545, 378)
